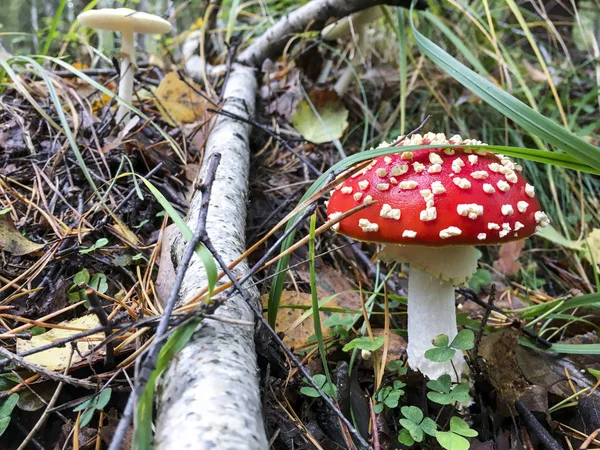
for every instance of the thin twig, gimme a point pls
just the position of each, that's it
(536, 427)
(19, 361)
(484, 319)
(149, 363)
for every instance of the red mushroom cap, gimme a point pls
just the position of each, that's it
(438, 197)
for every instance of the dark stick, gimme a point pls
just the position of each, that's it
(149, 364)
(96, 308)
(536, 427)
(484, 319)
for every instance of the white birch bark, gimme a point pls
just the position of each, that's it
(209, 397)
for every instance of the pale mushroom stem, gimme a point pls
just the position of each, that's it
(431, 312)
(127, 71)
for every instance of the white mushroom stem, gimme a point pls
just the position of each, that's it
(431, 312)
(127, 69)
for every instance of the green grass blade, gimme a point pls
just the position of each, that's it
(315, 298)
(201, 251)
(178, 151)
(52, 32)
(143, 432)
(458, 43)
(530, 120)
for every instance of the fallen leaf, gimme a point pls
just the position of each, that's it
(396, 346)
(296, 330)
(57, 358)
(508, 260)
(12, 241)
(326, 123)
(178, 100)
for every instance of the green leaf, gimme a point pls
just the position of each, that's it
(440, 399)
(416, 432)
(99, 283)
(398, 367)
(6, 408)
(8, 381)
(309, 391)
(103, 398)
(83, 276)
(451, 441)
(464, 340)
(594, 372)
(429, 426)
(441, 341)
(405, 438)
(412, 413)
(459, 426)
(364, 343)
(442, 384)
(480, 278)
(391, 401)
(344, 320)
(86, 417)
(99, 244)
(460, 393)
(320, 117)
(378, 408)
(440, 354)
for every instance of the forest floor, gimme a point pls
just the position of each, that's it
(80, 238)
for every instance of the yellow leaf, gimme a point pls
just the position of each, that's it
(12, 241)
(178, 101)
(57, 358)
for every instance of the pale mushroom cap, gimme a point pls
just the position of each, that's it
(121, 19)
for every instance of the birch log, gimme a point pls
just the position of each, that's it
(209, 395)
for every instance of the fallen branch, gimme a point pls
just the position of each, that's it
(209, 396)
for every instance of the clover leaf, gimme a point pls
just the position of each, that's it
(415, 426)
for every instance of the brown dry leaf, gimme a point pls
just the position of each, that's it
(178, 101)
(57, 358)
(331, 282)
(289, 320)
(508, 260)
(396, 346)
(12, 241)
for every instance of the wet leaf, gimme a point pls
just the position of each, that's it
(12, 241)
(6, 408)
(57, 358)
(179, 101)
(322, 118)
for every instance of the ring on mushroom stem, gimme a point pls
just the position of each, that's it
(433, 206)
(127, 22)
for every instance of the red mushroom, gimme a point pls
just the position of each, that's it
(431, 208)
